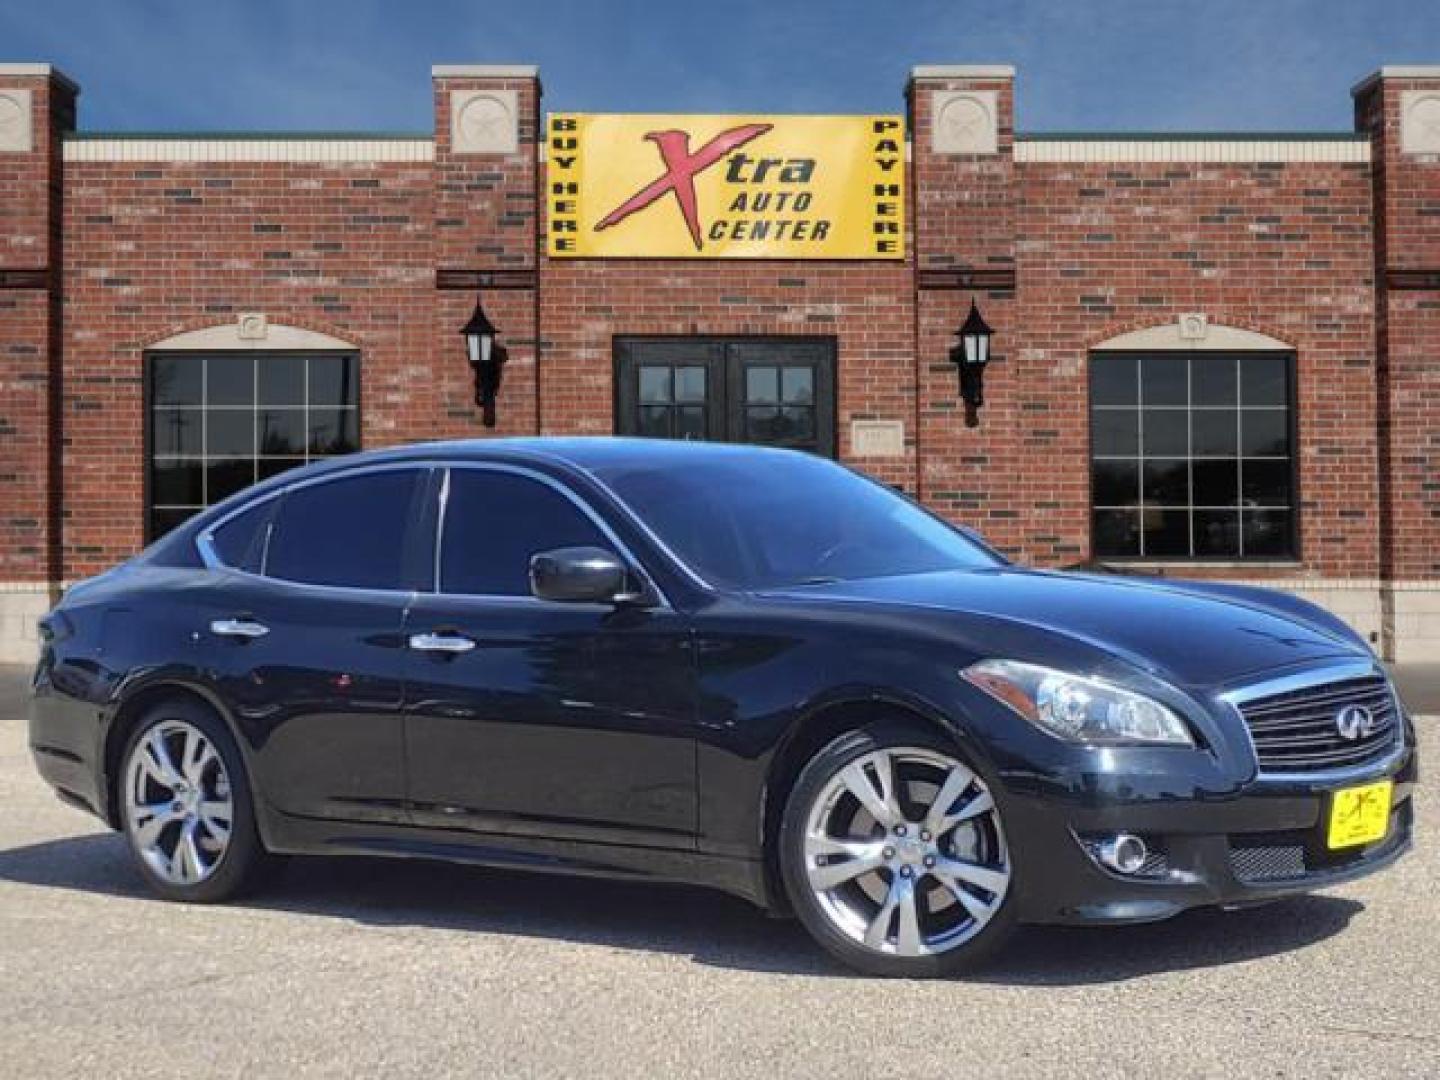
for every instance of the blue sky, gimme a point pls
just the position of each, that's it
(364, 64)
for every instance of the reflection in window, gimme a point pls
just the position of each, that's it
(673, 401)
(1191, 455)
(219, 423)
(780, 405)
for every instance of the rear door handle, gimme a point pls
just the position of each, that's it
(239, 628)
(441, 643)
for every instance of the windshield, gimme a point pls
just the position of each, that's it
(759, 521)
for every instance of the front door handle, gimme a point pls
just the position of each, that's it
(242, 627)
(441, 643)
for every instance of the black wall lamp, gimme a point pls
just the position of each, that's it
(487, 357)
(971, 355)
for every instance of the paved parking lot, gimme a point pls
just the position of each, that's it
(359, 967)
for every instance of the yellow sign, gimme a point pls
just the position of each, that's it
(1359, 815)
(726, 187)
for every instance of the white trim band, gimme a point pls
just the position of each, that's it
(963, 71)
(485, 71)
(317, 151)
(1398, 71)
(1199, 151)
(38, 71)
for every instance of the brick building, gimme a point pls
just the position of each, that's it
(1214, 355)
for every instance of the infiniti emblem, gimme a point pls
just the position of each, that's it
(1354, 722)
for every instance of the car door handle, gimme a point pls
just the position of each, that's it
(239, 628)
(441, 643)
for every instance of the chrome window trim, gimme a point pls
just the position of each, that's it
(439, 532)
(639, 523)
(621, 548)
(1304, 680)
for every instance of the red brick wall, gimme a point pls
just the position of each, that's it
(1101, 249)
(156, 248)
(1407, 204)
(30, 254)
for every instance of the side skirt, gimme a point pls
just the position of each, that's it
(745, 878)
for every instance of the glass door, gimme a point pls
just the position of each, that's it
(767, 391)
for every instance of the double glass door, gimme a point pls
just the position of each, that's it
(770, 391)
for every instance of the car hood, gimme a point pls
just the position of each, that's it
(1188, 632)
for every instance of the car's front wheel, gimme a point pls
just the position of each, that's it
(894, 855)
(185, 805)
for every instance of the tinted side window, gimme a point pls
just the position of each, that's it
(346, 532)
(495, 521)
(240, 541)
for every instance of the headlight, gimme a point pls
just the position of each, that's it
(1078, 708)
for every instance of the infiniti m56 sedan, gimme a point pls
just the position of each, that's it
(743, 668)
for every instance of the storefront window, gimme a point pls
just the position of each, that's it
(1192, 455)
(219, 423)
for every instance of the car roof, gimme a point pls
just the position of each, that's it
(587, 453)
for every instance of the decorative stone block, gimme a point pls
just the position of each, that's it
(877, 438)
(252, 326)
(1420, 122)
(1193, 326)
(16, 128)
(965, 122)
(484, 122)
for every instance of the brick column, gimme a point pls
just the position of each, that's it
(486, 238)
(963, 177)
(1400, 108)
(37, 105)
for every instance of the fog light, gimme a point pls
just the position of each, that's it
(1124, 853)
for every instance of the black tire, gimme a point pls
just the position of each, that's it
(809, 785)
(244, 862)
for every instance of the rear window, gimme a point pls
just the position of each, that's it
(240, 542)
(349, 531)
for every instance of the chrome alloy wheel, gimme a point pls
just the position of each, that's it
(178, 804)
(904, 852)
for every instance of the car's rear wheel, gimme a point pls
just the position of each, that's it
(894, 855)
(185, 805)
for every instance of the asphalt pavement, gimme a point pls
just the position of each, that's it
(360, 967)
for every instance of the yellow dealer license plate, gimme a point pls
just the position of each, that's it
(1359, 815)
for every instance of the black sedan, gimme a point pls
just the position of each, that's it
(743, 668)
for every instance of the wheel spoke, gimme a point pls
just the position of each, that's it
(878, 932)
(991, 880)
(845, 860)
(982, 803)
(956, 781)
(185, 862)
(158, 760)
(979, 910)
(880, 803)
(194, 756)
(908, 939)
(217, 824)
(149, 821)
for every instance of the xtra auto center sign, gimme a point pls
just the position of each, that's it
(732, 187)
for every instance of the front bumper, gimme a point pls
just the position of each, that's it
(1261, 842)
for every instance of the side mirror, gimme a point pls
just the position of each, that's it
(581, 575)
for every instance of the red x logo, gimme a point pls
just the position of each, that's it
(681, 168)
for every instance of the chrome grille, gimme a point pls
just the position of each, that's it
(1296, 731)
